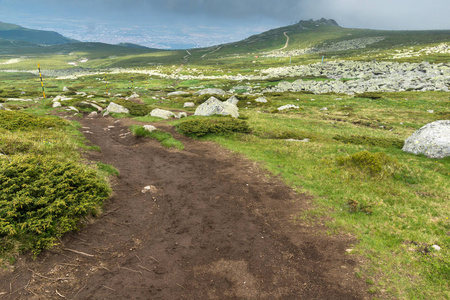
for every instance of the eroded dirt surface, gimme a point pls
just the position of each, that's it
(212, 226)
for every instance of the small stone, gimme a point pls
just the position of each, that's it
(436, 247)
(149, 128)
(430, 111)
(189, 104)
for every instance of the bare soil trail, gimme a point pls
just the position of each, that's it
(212, 226)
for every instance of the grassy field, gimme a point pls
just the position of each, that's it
(346, 151)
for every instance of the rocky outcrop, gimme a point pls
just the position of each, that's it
(358, 77)
(214, 106)
(432, 140)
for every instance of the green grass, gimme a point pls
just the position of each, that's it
(165, 138)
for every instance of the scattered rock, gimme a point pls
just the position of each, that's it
(2, 107)
(261, 100)
(56, 104)
(436, 247)
(71, 108)
(233, 100)
(324, 108)
(162, 113)
(177, 93)
(61, 98)
(149, 189)
(213, 106)
(93, 114)
(430, 111)
(211, 92)
(116, 108)
(66, 89)
(189, 104)
(432, 140)
(149, 128)
(181, 115)
(98, 108)
(288, 106)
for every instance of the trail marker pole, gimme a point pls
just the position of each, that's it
(42, 82)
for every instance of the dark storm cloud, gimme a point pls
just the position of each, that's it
(380, 14)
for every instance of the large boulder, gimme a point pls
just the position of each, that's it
(432, 140)
(214, 106)
(162, 113)
(116, 108)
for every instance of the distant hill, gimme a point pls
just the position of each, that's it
(131, 45)
(18, 33)
(323, 36)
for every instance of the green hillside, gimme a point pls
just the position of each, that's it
(40, 37)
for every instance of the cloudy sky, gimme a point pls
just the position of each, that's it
(175, 23)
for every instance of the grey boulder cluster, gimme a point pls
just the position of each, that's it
(432, 140)
(360, 77)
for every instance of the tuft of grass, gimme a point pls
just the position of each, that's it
(370, 141)
(108, 169)
(165, 138)
(373, 163)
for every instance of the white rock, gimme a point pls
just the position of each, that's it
(66, 89)
(324, 109)
(177, 93)
(262, 100)
(149, 128)
(93, 114)
(162, 113)
(181, 115)
(61, 98)
(432, 140)
(210, 92)
(430, 111)
(116, 108)
(214, 106)
(288, 106)
(436, 247)
(71, 108)
(56, 104)
(189, 104)
(233, 100)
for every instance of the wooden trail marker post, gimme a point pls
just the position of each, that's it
(42, 82)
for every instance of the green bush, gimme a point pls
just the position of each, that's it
(370, 141)
(204, 126)
(373, 163)
(134, 108)
(17, 120)
(43, 198)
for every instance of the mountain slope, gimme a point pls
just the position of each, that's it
(40, 37)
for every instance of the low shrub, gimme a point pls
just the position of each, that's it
(370, 141)
(372, 163)
(43, 198)
(18, 120)
(370, 95)
(204, 126)
(134, 108)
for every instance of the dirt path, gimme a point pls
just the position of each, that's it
(213, 226)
